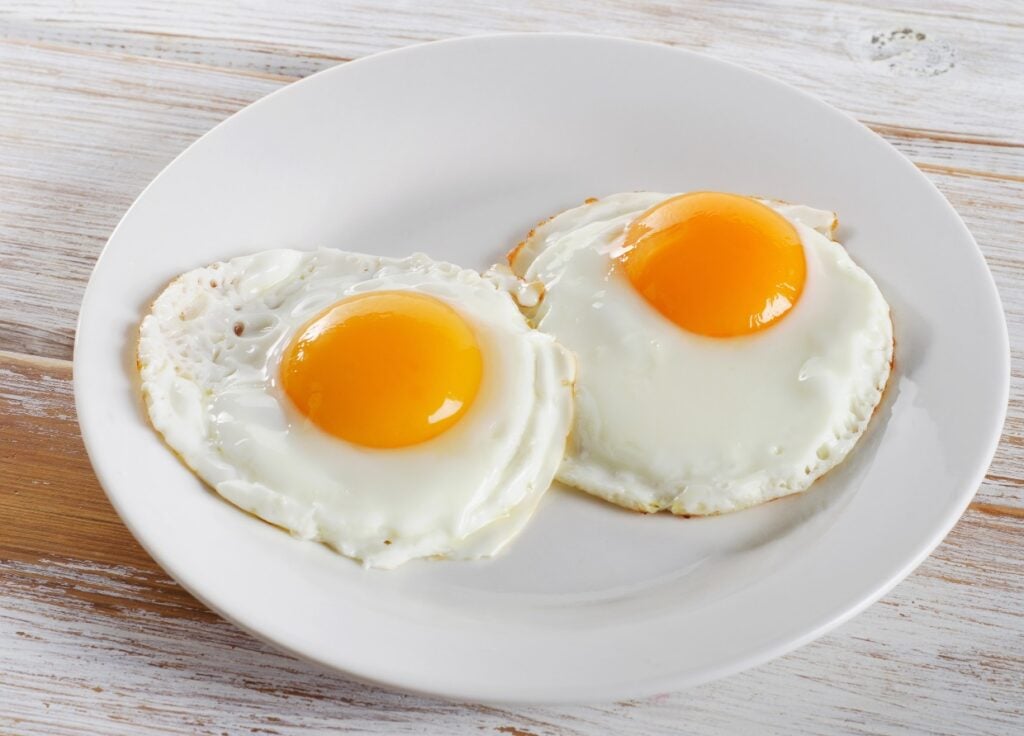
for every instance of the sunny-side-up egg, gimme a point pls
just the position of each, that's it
(729, 351)
(391, 408)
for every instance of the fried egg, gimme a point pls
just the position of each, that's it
(391, 408)
(729, 351)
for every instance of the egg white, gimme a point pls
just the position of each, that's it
(669, 419)
(214, 396)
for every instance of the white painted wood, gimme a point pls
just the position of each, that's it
(80, 137)
(822, 46)
(938, 656)
(96, 96)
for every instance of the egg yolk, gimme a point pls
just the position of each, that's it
(384, 369)
(717, 264)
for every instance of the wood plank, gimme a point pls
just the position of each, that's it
(80, 137)
(92, 632)
(52, 503)
(908, 66)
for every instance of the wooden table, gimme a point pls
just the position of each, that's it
(97, 96)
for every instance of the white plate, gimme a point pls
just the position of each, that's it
(457, 148)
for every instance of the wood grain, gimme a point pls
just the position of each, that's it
(843, 51)
(96, 96)
(77, 587)
(80, 137)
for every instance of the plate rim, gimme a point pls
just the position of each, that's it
(765, 653)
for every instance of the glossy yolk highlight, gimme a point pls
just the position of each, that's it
(716, 264)
(384, 369)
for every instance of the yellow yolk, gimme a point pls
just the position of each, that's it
(384, 369)
(716, 264)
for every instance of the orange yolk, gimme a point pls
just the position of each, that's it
(716, 264)
(384, 369)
